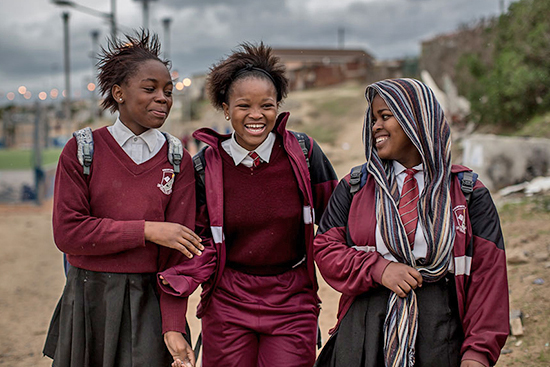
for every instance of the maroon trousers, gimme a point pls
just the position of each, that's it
(261, 321)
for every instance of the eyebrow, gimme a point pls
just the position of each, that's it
(170, 82)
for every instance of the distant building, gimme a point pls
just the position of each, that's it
(308, 68)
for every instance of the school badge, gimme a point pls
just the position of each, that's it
(460, 218)
(167, 181)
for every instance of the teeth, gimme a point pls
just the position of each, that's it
(381, 139)
(255, 126)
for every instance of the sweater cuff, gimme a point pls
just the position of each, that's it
(378, 268)
(476, 356)
(134, 232)
(174, 310)
(177, 284)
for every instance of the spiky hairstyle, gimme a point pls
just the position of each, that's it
(121, 60)
(226, 72)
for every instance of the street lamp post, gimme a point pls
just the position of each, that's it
(67, 64)
(145, 12)
(111, 17)
(166, 23)
(95, 41)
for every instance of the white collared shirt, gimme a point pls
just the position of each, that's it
(141, 147)
(240, 154)
(420, 244)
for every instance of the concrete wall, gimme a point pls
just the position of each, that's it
(502, 161)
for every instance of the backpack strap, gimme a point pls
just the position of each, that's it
(175, 151)
(304, 142)
(355, 179)
(85, 148)
(200, 164)
(467, 182)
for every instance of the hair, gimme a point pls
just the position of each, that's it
(121, 60)
(243, 63)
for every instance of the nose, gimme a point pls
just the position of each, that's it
(161, 97)
(256, 113)
(376, 125)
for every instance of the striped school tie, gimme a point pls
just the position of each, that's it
(256, 159)
(408, 205)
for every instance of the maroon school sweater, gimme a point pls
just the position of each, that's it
(262, 215)
(98, 221)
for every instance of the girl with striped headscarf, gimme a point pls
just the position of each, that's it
(422, 271)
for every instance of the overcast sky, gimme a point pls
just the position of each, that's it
(203, 31)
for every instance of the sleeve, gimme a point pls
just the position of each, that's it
(75, 230)
(347, 269)
(486, 313)
(323, 179)
(181, 209)
(184, 275)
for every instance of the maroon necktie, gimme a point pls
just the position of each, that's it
(408, 205)
(256, 159)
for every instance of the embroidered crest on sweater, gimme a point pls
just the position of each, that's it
(460, 218)
(167, 181)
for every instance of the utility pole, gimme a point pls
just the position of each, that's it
(67, 64)
(341, 35)
(95, 42)
(145, 5)
(112, 19)
(166, 23)
(37, 155)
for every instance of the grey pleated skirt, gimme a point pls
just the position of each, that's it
(108, 320)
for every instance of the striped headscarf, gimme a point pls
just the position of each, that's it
(414, 106)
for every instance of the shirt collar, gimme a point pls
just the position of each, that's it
(398, 168)
(122, 134)
(238, 153)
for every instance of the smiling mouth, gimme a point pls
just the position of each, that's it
(380, 139)
(255, 128)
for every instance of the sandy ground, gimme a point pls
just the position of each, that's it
(32, 279)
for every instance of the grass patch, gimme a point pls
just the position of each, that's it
(23, 159)
(538, 126)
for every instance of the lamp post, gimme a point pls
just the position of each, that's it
(95, 41)
(110, 17)
(166, 23)
(67, 66)
(145, 12)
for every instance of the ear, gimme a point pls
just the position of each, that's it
(225, 109)
(117, 93)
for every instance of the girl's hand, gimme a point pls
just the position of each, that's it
(174, 235)
(401, 278)
(180, 350)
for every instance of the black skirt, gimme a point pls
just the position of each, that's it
(108, 320)
(359, 340)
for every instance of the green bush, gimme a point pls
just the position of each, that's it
(514, 85)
